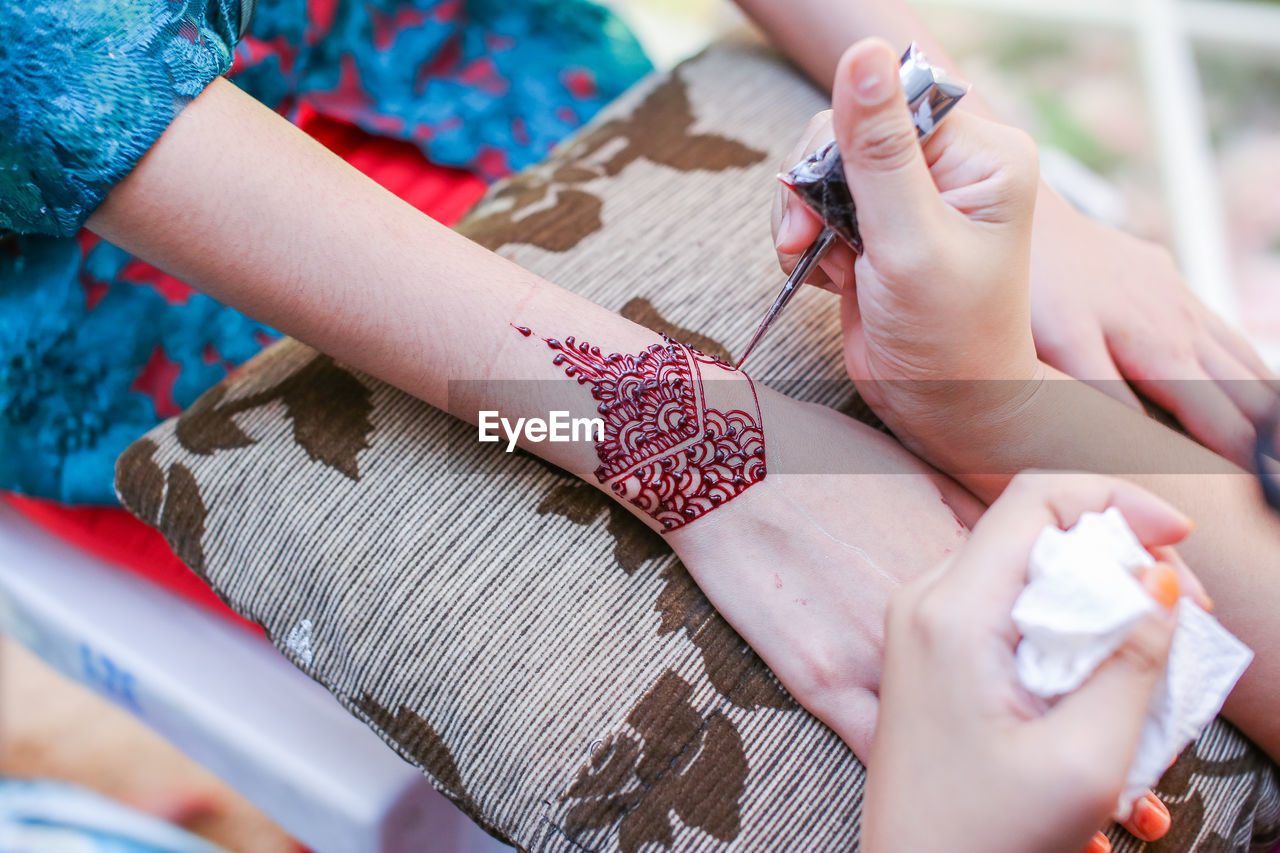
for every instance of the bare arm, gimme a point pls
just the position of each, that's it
(816, 33)
(244, 206)
(1235, 548)
(239, 203)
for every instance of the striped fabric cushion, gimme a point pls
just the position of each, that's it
(530, 645)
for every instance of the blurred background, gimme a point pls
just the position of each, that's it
(1160, 116)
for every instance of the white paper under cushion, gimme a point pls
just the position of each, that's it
(1081, 600)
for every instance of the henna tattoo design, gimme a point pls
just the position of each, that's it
(664, 449)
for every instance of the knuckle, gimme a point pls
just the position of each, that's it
(1161, 264)
(1021, 173)
(932, 618)
(1027, 484)
(1161, 256)
(885, 143)
(1025, 152)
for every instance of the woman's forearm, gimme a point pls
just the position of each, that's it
(1235, 549)
(244, 206)
(247, 208)
(816, 33)
(251, 210)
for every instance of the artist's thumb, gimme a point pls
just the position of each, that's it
(883, 162)
(1106, 714)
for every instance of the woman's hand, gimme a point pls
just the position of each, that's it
(1104, 307)
(1105, 304)
(963, 759)
(803, 563)
(941, 290)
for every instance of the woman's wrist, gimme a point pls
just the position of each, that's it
(975, 424)
(803, 563)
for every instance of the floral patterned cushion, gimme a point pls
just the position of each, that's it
(537, 651)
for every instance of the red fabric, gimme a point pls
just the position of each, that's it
(122, 540)
(443, 194)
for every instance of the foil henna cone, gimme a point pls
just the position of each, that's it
(664, 448)
(820, 183)
(819, 180)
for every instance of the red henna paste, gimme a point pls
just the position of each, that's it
(664, 449)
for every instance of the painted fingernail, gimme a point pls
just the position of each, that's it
(1161, 583)
(1098, 844)
(1151, 818)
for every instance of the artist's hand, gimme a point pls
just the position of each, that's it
(1106, 307)
(957, 732)
(941, 291)
(1105, 304)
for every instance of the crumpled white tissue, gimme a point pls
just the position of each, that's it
(1082, 598)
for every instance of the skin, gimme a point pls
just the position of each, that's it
(938, 340)
(1104, 306)
(803, 565)
(953, 711)
(326, 282)
(375, 283)
(662, 446)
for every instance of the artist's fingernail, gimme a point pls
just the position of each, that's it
(1161, 583)
(1207, 603)
(1151, 818)
(784, 228)
(871, 81)
(1098, 844)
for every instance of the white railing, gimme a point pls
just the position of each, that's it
(1165, 34)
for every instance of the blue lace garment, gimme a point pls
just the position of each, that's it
(94, 346)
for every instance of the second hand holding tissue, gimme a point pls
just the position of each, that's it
(1082, 597)
(953, 708)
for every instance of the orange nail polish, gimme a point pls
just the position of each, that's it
(1150, 818)
(1161, 581)
(1098, 844)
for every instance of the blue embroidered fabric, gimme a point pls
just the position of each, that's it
(85, 87)
(95, 346)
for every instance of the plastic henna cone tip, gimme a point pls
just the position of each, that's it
(819, 180)
(807, 261)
